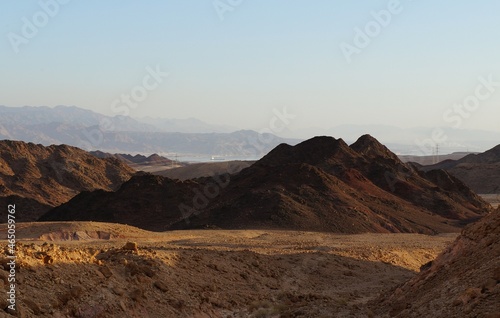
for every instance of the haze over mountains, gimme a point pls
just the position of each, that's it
(92, 131)
(321, 184)
(120, 134)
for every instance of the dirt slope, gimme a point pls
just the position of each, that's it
(38, 178)
(464, 281)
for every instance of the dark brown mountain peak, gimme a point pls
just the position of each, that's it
(317, 150)
(372, 148)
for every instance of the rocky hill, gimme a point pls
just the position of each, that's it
(321, 185)
(324, 184)
(38, 178)
(464, 281)
(146, 201)
(481, 172)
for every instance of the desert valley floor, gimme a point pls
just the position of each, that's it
(79, 269)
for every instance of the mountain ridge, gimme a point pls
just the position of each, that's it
(481, 172)
(318, 185)
(40, 177)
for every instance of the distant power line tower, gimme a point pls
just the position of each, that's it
(435, 154)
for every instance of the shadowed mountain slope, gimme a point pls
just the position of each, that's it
(323, 184)
(146, 201)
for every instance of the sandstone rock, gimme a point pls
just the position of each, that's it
(123, 306)
(148, 271)
(490, 284)
(496, 274)
(4, 277)
(106, 271)
(76, 291)
(136, 294)
(118, 291)
(161, 286)
(426, 266)
(3, 303)
(47, 259)
(130, 246)
(33, 306)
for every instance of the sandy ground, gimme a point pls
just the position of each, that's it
(153, 168)
(80, 269)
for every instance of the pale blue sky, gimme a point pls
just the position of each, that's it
(262, 55)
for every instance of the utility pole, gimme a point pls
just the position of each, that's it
(436, 154)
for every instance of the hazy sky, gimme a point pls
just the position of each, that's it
(234, 61)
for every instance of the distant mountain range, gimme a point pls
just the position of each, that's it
(154, 159)
(192, 137)
(120, 134)
(321, 184)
